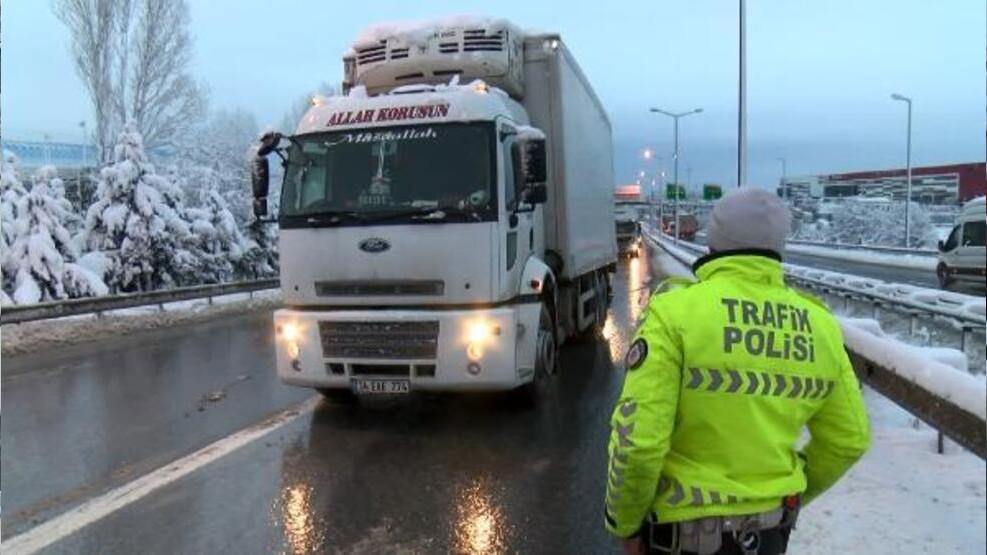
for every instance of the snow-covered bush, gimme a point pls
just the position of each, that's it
(870, 222)
(136, 224)
(41, 256)
(219, 245)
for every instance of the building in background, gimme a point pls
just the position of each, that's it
(951, 184)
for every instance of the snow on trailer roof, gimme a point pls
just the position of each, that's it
(417, 32)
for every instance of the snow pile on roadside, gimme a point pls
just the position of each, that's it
(914, 262)
(869, 221)
(938, 370)
(45, 334)
(902, 497)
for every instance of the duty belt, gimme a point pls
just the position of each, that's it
(705, 535)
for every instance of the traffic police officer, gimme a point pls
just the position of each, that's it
(721, 379)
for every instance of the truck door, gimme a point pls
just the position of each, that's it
(516, 229)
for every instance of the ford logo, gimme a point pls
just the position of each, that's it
(374, 244)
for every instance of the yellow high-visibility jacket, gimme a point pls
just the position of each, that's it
(721, 379)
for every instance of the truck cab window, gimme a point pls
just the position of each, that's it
(408, 173)
(512, 162)
(975, 234)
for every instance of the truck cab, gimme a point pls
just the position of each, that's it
(425, 227)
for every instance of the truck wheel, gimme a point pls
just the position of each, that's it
(942, 272)
(546, 359)
(338, 396)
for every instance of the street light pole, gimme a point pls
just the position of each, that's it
(908, 166)
(784, 179)
(742, 99)
(675, 157)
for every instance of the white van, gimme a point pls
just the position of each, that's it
(962, 255)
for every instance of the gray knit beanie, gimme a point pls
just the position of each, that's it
(749, 218)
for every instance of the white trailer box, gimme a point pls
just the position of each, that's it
(579, 212)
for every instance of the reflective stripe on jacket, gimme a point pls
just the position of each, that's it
(721, 379)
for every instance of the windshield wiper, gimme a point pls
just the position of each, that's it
(432, 214)
(329, 217)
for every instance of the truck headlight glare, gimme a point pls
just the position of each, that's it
(292, 348)
(478, 332)
(474, 351)
(290, 331)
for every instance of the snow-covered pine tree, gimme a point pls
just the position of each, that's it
(219, 243)
(11, 193)
(42, 254)
(216, 158)
(134, 223)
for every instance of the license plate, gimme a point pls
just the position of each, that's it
(382, 387)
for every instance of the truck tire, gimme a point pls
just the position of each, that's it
(338, 396)
(942, 272)
(546, 361)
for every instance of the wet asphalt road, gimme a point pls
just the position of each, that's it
(459, 473)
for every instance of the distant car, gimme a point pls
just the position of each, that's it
(628, 238)
(689, 223)
(963, 255)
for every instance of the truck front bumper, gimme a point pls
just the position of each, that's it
(435, 350)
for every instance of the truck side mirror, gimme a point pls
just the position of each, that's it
(261, 181)
(534, 161)
(537, 194)
(260, 207)
(942, 246)
(260, 177)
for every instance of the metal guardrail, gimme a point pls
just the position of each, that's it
(97, 305)
(942, 414)
(880, 299)
(871, 248)
(945, 416)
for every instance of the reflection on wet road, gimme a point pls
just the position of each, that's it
(435, 473)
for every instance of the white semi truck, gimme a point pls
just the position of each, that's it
(447, 223)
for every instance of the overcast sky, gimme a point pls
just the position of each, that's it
(819, 72)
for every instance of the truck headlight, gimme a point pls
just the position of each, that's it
(479, 334)
(291, 334)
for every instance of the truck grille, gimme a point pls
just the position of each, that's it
(378, 288)
(382, 340)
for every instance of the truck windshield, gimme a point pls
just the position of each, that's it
(422, 172)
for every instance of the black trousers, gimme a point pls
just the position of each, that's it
(773, 541)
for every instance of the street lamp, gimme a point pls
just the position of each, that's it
(784, 177)
(908, 163)
(675, 157)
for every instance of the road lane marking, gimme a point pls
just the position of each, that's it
(69, 522)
